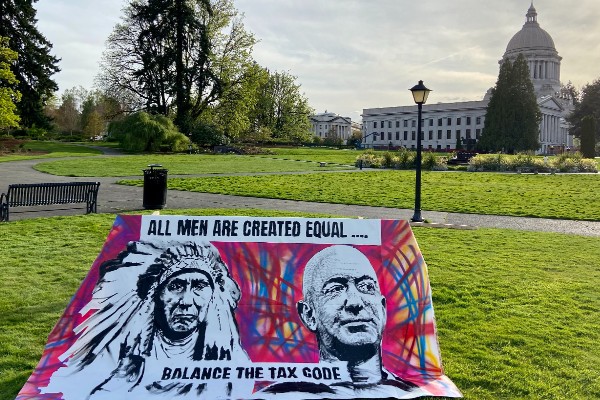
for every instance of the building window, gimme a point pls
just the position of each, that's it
(468, 134)
(458, 133)
(397, 124)
(412, 135)
(430, 135)
(405, 123)
(389, 135)
(449, 122)
(405, 135)
(478, 120)
(439, 134)
(440, 121)
(477, 133)
(413, 123)
(422, 136)
(458, 121)
(382, 136)
(375, 124)
(431, 122)
(389, 124)
(448, 134)
(397, 135)
(412, 146)
(468, 120)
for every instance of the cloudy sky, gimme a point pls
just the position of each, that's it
(354, 54)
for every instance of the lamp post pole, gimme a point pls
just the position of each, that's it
(417, 215)
(420, 93)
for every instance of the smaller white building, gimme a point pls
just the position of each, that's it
(330, 124)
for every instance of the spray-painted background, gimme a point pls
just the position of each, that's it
(214, 307)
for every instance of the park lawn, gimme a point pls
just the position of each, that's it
(565, 196)
(517, 312)
(328, 155)
(177, 164)
(50, 150)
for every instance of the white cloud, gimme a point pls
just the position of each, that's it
(355, 54)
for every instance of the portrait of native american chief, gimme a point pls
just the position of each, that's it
(155, 305)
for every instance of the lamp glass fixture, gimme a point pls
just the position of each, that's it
(420, 93)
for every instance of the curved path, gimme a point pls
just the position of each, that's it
(115, 198)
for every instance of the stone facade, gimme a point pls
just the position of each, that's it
(331, 124)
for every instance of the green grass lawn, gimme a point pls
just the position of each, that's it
(329, 155)
(565, 196)
(51, 149)
(179, 164)
(517, 312)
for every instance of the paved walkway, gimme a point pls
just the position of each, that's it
(115, 198)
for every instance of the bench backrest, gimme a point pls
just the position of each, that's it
(33, 194)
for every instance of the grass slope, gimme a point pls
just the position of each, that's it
(566, 196)
(178, 164)
(51, 149)
(517, 312)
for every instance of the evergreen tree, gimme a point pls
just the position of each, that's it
(35, 65)
(513, 115)
(589, 105)
(8, 95)
(588, 136)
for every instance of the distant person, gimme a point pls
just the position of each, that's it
(344, 307)
(179, 309)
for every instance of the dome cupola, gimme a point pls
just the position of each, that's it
(530, 37)
(538, 48)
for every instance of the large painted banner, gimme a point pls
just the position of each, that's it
(248, 308)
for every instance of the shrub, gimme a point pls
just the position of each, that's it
(407, 158)
(144, 132)
(402, 159)
(388, 159)
(567, 162)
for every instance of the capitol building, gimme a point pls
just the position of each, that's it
(444, 124)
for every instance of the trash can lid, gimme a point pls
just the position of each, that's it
(154, 165)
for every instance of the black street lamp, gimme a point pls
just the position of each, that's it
(420, 93)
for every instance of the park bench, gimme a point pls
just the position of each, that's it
(38, 194)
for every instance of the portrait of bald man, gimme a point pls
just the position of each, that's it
(343, 306)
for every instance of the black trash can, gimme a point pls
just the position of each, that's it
(155, 187)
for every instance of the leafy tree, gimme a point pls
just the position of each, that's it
(589, 105)
(332, 138)
(569, 90)
(355, 138)
(283, 109)
(67, 116)
(35, 65)
(513, 115)
(176, 57)
(144, 132)
(94, 125)
(588, 136)
(233, 113)
(8, 95)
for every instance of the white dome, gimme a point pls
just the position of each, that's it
(530, 38)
